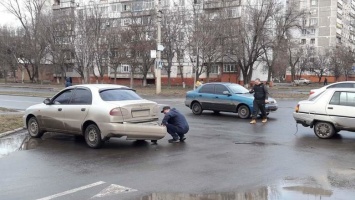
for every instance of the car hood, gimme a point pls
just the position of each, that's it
(251, 96)
(36, 106)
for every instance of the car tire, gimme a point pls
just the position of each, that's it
(324, 130)
(93, 136)
(243, 112)
(196, 108)
(33, 128)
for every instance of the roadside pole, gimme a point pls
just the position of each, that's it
(158, 59)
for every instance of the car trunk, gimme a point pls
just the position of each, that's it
(136, 112)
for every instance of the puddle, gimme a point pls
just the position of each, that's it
(16, 142)
(282, 192)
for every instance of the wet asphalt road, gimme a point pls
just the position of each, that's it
(224, 157)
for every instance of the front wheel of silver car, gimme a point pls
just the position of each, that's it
(324, 130)
(93, 136)
(196, 108)
(33, 128)
(243, 112)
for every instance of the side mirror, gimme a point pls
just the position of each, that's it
(47, 101)
(227, 93)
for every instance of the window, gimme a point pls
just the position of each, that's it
(229, 68)
(343, 98)
(313, 22)
(125, 68)
(116, 8)
(219, 89)
(313, 31)
(182, 2)
(148, 5)
(122, 94)
(233, 12)
(137, 6)
(209, 88)
(304, 31)
(81, 97)
(313, 2)
(104, 10)
(63, 98)
(238, 89)
(313, 41)
(303, 41)
(214, 69)
(126, 7)
(304, 22)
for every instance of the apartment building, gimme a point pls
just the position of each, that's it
(119, 14)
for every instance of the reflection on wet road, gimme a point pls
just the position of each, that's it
(16, 142)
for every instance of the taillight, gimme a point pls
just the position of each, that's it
(119, 112)
(311, 92)
(297, 108)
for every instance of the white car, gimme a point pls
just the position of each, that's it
(302, 81)
(97, 112)
(328, 113)
(344, 84)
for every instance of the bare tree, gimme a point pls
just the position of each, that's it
(321, 64)
(248, 37)
(31, 14)
(284, 22)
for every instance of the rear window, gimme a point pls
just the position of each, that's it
(119, 95)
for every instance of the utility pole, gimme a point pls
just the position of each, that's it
(158, 59)
(196, 7)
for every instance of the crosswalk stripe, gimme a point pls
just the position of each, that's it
(72, 191)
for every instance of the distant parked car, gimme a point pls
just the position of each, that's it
(302, 81)
(328, 113)
(344, 84)
(224, 97)
(98, 112)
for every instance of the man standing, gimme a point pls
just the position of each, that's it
(261, 96)
(175, 123)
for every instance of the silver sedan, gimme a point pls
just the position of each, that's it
(98, 112)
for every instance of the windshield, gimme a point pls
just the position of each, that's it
(238, 89)
(119, 95)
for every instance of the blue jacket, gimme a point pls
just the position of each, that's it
(174, 117)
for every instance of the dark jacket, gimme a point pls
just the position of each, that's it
(260, 92)
(174, 117)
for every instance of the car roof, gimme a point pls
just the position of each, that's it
(342, 89)
(222, 83)
(101, 86)
(341, 82)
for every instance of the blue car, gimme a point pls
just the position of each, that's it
(224, 97)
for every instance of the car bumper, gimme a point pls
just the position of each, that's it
(187, 103)
(271, 107)
(303, 118)
(133, 131)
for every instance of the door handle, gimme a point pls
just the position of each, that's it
(83, 109)
(331, 108)
(200, 95)
(216, 97)
(59, 109)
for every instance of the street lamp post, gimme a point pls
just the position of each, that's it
(158, 58)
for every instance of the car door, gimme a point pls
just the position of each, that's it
(77, 109)
(341, 108)
(223, 101)
(206, 96)
(52, 116)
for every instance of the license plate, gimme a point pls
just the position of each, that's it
(140, 113)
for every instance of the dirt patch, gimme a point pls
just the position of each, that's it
(10, 122)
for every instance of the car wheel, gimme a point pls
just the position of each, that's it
(196, 108)
(243, 112)
(93, 136)
(33, 128)
(324, 130)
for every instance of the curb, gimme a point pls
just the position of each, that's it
(10, 132)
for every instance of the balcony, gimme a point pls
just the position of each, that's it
(55, 7)
(213, 5)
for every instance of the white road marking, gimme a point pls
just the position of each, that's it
(112, 190)
(72, 191)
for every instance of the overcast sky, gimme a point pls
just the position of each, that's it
(6, 18)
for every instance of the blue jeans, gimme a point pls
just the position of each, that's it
(175, 131)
